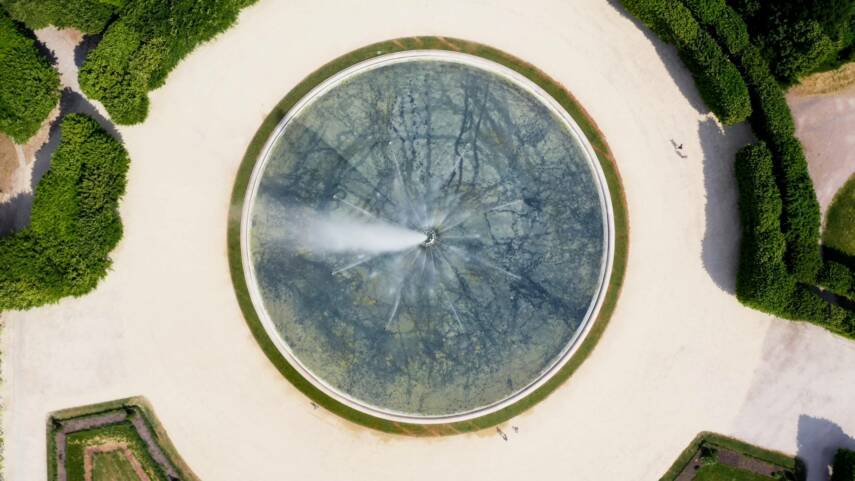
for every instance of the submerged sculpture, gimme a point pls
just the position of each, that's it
(426, 236)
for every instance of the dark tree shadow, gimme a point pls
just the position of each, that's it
(818, 439)
(678, 71)
(15, 214)
(81, 51)
(722, 234)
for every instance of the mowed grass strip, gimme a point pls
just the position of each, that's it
(721, 472)
(114, 466)
(840, 221)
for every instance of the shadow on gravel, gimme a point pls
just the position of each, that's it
(85, 46)
(15, 214)
(818, 439)
(723, 232)
(670, 59)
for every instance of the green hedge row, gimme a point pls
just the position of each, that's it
(719, 82)
(773, 122)
(75, 221)
(29, 85)
(88, 16)
(726, 24)
(147, 41)
(764, 281)
(844, 466)
(837, 278)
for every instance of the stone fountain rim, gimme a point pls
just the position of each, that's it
(518, 79)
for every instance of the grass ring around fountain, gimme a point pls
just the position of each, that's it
(566, 101)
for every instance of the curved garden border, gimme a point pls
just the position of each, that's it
(564, 99)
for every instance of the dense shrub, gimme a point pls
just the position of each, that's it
(718, 81)
(844, 466)
(75, 222)
(89, 16)
(840, 220)
(772, 118)
(801, 218)
(799, 36)
(29, 86)
(725, 23)
(763, 280)
(837, 278)
(147, 41)
(780, 257)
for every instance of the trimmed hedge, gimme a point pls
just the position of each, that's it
(75, 221)
(837, 278)
(763, 281)
(801, 218)
(88, 16)
(844, 466)
(147, 41)
(718, 81)
(726, 24)
(29, 85)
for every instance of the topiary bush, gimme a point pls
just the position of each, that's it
(844, 466)
(88, 16)
(837, 278)
(725, 23)
(763, 281)
(75, 221)
(719, 82)
(147, 41)
(801, 218)
(29, 85)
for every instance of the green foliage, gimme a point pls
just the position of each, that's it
(837, 278)
(800, 36)
(724, 22)
(708, 455)
(801, 217)
(844, 466)
(840, 220)
(75, 221)
(718, 81)
(140, 49)
(29, 86)
(88, 16)
(763, 281)
(772, 118)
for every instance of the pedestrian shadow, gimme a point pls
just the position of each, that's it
(15, 214)
(723, 232)
(818, 439)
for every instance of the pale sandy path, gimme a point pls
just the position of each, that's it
(826, 126)
(679, 356)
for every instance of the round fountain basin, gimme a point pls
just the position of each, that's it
(514, 207)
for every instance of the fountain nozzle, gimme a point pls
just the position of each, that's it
(431, 239)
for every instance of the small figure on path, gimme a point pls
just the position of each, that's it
(516, 429)
(501, 433)
(314, 406)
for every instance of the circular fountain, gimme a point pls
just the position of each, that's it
(427, 236)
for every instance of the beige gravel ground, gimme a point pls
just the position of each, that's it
(826, 126)
(680, 355)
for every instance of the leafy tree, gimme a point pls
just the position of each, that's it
(88, 16)
(75, 221)
(29, 85)
(147, 41)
